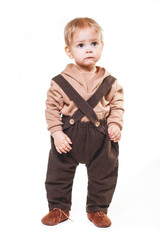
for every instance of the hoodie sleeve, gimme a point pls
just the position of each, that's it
(54, 104)
(116, 106)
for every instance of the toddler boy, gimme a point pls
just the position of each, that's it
(84, 114)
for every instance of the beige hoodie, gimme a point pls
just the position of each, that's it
(110, 106)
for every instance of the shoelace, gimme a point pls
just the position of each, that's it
(62, 212)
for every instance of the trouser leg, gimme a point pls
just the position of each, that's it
(59, 180)
(102, 176)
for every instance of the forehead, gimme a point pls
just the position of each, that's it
(85, 34)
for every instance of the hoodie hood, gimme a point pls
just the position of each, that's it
(89, 80)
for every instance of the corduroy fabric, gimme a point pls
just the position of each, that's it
(91, 146)
(98, 153)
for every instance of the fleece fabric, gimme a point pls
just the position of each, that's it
(85, 83)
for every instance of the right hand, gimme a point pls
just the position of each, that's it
(62, 142)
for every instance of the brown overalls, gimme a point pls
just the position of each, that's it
(91, 146)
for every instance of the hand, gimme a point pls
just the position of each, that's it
(114, 133)
(62, 142)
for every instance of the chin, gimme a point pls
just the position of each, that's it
(89, 62)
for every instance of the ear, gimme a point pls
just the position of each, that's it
(102, 44)
(68, 52)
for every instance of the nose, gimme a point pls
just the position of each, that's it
(89, 49)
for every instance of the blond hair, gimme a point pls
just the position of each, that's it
(80, 23)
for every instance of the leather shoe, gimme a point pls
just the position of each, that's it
(100, 219)
(55, 216)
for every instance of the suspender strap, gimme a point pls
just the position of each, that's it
(84, 107)
(96, 97)
(76, 98)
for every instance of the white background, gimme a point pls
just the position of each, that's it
(31, 53)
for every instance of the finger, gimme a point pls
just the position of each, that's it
(113, 133)
(116, 134)
(67, 146)
(65, 149)
(109, 130)
(68, 140)
(116, 139)
(62, 149)
(110, 134)
(112, 138)
(58, 150)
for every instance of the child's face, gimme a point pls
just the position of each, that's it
(85, 49)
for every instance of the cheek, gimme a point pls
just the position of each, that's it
(99, 52)
(79, 54)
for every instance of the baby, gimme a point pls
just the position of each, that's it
(84, 113)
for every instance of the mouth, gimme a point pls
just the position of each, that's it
(88, 58)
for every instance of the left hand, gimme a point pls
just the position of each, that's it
(114, 133)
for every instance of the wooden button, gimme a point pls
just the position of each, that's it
(97, 123)
(71, 121)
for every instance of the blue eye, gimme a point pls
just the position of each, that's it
(94, 43)
(80, 45)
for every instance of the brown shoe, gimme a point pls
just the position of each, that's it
(55, 216)
(99, 219)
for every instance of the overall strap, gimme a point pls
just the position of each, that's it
(76, 98)
(96, 97)
(84, 107)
